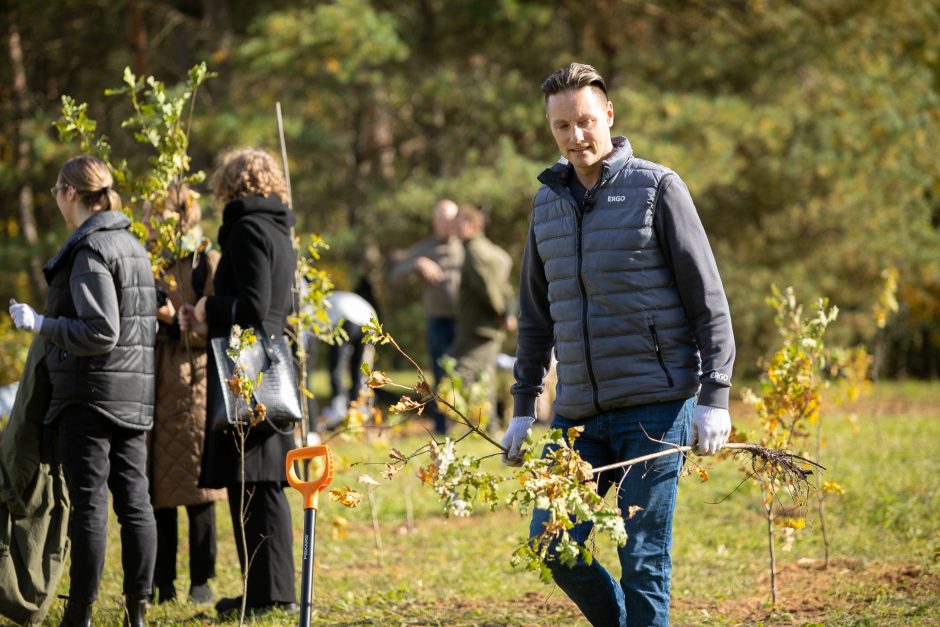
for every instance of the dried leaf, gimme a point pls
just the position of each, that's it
(390, 471)
(427, 474)
(397, 455)
(423, 388)
(378, 379)
(633, 510)
(346, 496)
(404, 404)
(367, 480)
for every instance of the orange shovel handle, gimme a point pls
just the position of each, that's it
(310, 489)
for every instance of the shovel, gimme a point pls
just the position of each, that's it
(311, 493)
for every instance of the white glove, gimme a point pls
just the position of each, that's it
(516, 432)
(25, 317)
(710, 429)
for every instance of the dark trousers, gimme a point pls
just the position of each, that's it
(269, 540)
(347, 357)
(97, 455)
(441, 333)
(202, 546)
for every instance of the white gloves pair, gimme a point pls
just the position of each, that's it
(25, 317)
(711, 427)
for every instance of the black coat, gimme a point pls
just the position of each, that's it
(252, 289)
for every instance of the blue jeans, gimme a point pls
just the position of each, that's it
(642, 596)
(440, 335)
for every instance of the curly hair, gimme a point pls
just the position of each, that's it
(247, 172)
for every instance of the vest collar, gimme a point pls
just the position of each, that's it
(98, 221)
(557, 176)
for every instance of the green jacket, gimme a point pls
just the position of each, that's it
(34, 501)
(485, 291)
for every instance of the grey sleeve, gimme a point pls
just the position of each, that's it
(97, 324)
(535, 332)
(403, 270)
(689, 254)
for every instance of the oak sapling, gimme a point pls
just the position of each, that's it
(558, 481)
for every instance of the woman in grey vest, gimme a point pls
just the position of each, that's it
(100, 323)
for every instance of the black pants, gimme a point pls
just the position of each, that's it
(269, 540)
(440, 336)
(97, 455)
(347, 357)
(202, 546)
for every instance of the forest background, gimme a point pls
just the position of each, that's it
(807, 131)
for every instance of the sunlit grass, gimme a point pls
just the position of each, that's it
(457, 571)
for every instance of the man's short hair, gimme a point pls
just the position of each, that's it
(573, 77)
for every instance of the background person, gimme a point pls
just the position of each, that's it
(437, 261)
(99, 320)
(252, 288)
(485, 296)
(179, 425)
(619, 279)
(352, 311)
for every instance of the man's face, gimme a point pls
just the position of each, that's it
(467, 228)
(580, 121)
(443, 220)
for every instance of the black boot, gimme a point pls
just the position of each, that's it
(76, 615)
(135, 611)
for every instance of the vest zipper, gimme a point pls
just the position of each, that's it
(584, 319)
(659, 354)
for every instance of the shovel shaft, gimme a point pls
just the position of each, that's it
(306, 568)
(310, 491)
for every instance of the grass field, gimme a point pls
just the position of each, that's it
(884, 570)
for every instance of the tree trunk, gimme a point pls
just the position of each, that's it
(768, 512)
(26, 206)
(137, 36)
(219, 25)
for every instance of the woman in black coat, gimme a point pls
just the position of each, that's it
(252, 289)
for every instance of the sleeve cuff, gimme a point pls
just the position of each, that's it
(45, 329)
(523, 405)
(714, 395)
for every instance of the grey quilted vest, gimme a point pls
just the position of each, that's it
(621, 333)
(118, 384)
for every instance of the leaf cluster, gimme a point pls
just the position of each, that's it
(562, 484)
(157, 122)
(239, 383)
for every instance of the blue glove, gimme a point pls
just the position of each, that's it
(516, 432)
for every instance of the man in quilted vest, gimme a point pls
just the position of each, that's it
(618, 278)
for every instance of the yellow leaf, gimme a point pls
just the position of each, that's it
(831, 487)
(346, 496)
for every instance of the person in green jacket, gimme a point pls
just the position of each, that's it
(483, 314)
